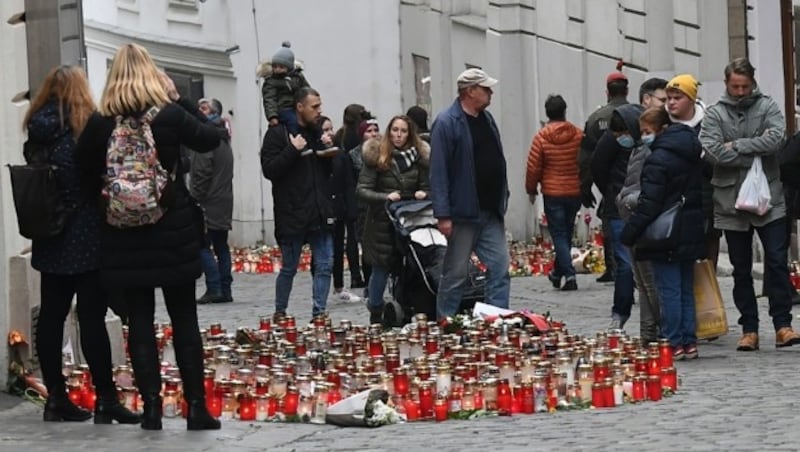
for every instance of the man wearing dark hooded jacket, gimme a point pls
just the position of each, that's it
(609, 168)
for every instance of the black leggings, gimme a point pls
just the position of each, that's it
(182, 310)
(350, 246)
(56, 300)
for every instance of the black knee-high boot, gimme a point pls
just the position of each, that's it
(190, 363)
(148, 378)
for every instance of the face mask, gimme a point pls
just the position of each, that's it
(648, 139)
(625, 141)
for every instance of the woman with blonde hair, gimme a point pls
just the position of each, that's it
(69, 262)
(138, 258)
(395, 167)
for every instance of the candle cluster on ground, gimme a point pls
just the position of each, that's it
(282, 372)
(532, 258)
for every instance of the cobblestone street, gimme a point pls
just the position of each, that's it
(728, 400)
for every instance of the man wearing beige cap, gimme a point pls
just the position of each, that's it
(469, 190)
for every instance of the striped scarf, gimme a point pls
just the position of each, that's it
(405, 159)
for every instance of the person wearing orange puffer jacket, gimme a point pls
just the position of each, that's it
(553, 163)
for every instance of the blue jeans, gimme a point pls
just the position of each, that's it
(377, 286)
(775, 241)
(623, 276)
(288, 117)
(560, 212)
(675, 286)
(217, 270)
(321, 243)
(487, 237)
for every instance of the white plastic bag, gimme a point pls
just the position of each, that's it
(754, 196)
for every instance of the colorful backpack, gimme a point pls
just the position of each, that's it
(134, 179)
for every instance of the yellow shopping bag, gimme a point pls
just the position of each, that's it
(712, 320)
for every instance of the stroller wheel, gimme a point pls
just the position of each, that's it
(392, 314)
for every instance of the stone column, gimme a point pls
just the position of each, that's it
(511, 58)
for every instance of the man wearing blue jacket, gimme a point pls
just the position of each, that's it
(469, 188)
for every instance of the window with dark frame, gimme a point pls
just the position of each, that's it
(422, 82)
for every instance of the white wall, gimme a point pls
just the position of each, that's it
(13, 80)
(349, 50)
(566, 47)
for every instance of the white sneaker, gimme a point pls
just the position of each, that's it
(344, 296)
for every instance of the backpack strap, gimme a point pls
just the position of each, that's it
(150, 114)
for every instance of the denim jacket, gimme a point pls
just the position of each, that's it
(452, 173)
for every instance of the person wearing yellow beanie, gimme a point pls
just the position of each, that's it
(682, 103)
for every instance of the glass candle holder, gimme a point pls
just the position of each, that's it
(279, 384)
(262, 408)
(426, 400)
(527, 402)
(540, 394)
(223, 368)
(228, 407)
(440, 409)
(247, 407)
(88, 398)
(654, 388)
(74, 393)
(654, 364)
(504, 398)
(291, 401)
(413, 412)
(214, 405)
(665, 353)
(128, 398)
(320, 404)
(264, 324)
(443, 380)
(123, 376)
(639, 387)
(669, 378)
(170, 404)
(489, 392)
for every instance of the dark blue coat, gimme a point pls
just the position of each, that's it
(77, 249)
(672, 170)
(453, 188)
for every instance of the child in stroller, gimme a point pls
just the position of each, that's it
(415, 278)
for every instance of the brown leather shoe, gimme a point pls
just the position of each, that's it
(786, 337)
(748, 342)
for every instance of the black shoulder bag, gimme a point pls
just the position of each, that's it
(41, 209)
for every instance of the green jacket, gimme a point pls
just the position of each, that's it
(595, 127)
(378, 243)
(277, 92)
(756, 127)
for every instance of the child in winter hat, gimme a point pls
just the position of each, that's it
(279, 87)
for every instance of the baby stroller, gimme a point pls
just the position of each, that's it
(414, 280)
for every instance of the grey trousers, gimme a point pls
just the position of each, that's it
(649, 306)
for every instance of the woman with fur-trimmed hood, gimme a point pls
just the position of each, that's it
(395, 167)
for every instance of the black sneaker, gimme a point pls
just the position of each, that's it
(606, 277)
(211, 298)
(570, 284)
(358, 284)
(225, 299)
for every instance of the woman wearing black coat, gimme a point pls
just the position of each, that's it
(166, 254)
(671, 174)
(69, 261)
